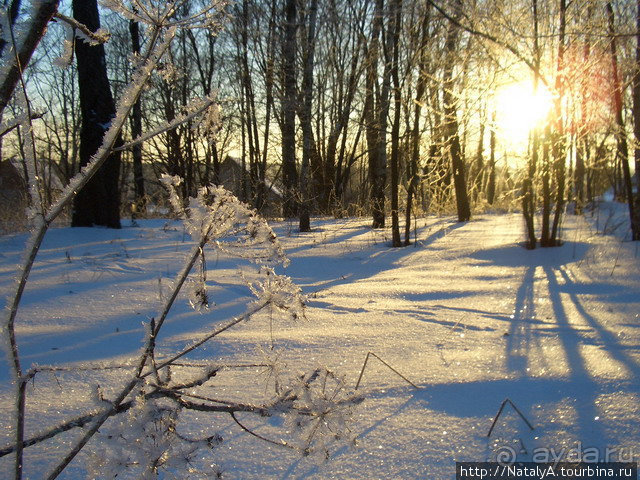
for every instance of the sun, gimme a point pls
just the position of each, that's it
(519, 109)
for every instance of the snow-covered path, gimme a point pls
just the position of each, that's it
(467, 314)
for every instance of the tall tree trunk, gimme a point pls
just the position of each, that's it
(136, 127)
(528, 200)
(289, 100)
(99, 202)
(374, 129)
(622, 150)
(545, 233)
(491, 184)
(558, 148)
(582, 142)
(308, 143)
(478, 171)
(421, 84)
(395, 26)
(269, 100)
(451, 120)
(581, 150)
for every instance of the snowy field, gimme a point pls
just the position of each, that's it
(466, 314)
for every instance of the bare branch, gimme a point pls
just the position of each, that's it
(95, 38)
(15, 62)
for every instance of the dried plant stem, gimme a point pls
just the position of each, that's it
(385, 364)
(155, 52)
(280, 443)
(513, 405)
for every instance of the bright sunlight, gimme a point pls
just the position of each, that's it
(519, 109)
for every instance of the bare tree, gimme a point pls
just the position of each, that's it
(395, 24)
(376, 108)
(421, 84)
(99, 202)
(289, 107)
(136, 126)
(622, 149)
(309, 149)
(452, 140)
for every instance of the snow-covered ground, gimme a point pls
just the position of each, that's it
(466, 314)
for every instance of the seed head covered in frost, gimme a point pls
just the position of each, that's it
(146, 441)
(156, 12)
(226, 223)
(279, 293)
(321, 411)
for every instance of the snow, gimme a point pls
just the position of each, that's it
(466, 314)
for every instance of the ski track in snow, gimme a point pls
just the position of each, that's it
(466, 313)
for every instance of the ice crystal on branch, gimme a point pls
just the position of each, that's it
(279, 293)
(321, 411)
(222, 221)
(146, 441)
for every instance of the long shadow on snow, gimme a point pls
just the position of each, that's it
(121, 335)
(349, 268)
(523, 341)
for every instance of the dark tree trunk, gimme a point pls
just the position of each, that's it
(528, 199)
(546, 191)
(98, 203)
(415, 131)
(289, 100)
(374, 129)
(622, 150)
(582, 143)
(395, 26)
(451, 122)
(309, 151)
(558, 148)
(136, 127)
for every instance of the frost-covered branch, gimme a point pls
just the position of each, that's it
(144, 429)
(198, 108)
(14, 61)
(7, 127)
(161, 37)
(42, 221)
(141, 421)
(84, 33)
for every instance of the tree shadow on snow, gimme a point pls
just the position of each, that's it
(547, 274)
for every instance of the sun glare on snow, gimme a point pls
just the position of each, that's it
(519, 109)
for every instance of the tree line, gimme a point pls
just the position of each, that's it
(386, 108)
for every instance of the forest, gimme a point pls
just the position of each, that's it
(359, 108)
(497, 141)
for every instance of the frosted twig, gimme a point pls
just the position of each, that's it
(12, 64)
(7, 127)
(94, 38)
(179, 120)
